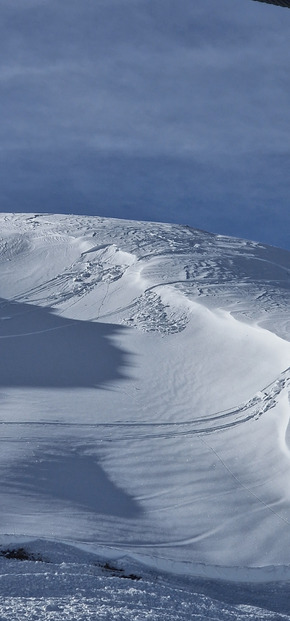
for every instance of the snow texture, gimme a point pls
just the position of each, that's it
(144, 392)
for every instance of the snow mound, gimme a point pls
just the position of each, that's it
(144, 390)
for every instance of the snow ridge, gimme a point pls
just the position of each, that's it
(145, 394)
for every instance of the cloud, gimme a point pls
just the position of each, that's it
(196, 94)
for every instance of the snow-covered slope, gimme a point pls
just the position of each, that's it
(144, 393)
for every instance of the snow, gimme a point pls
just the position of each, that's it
(144, 391)
(66, 583)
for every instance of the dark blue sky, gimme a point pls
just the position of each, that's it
(168, 110)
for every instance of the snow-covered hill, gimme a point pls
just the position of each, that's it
(144, 394)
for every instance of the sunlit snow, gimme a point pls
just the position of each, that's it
(144, 392)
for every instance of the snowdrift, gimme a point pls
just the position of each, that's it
(144, 391)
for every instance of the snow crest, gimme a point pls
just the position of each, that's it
(145, 392)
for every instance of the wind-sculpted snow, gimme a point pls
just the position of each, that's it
(249, 279)
(144, 380)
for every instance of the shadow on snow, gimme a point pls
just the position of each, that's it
(67, 476)
(41, 349)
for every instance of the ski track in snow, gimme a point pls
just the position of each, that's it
(206, 267)
(179, 406)
(218, 421)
